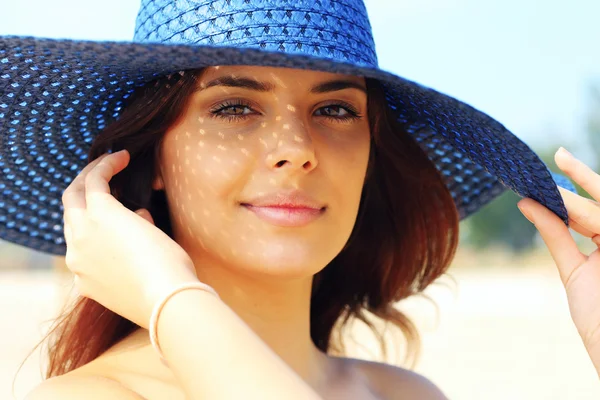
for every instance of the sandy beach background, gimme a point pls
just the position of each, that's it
(496, 333)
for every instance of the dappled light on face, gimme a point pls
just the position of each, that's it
(234, 145)
(278, 81)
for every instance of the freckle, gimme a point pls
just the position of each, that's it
(206, 212)
(263, 124)
(240, 137)
(201, 143)
(202, 132)
(221, 135)
(235, 162)
(177, 137)
(261, 241)
(177, 153)
(187, 161)
(246, 152)
(262, 141)
(189, 196)
(198, 157)
(244, 238)
(270, 157)
(179, 167)
(234, 252)
(298, 138)
(193, 216)
(286, 126)
(217, 159)
(190, 231)
(201, 243)
(275, 135)
(187, 148)
(200, 119)
(187, 182)
(188, 134)
(205, 230)
(173, 167)
(278, 118)
(252, 228)
(193, 171)
(201, 193)
(291, 108)
(280, 143)
(208, 172)
(217, 67)
(221, 147)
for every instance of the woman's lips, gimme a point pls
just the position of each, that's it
(286, 216)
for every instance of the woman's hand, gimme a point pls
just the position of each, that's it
(580, 273)
(119, 257)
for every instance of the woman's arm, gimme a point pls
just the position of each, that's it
(215, 355)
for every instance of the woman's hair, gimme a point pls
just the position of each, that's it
(404, 238)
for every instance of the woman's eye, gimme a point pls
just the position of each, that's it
(334, 110)
(235, 110)
(339, 112)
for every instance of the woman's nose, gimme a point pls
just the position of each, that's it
(294, 147)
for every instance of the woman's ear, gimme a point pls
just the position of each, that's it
(157, 183)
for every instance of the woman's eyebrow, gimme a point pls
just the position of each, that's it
(252, 84)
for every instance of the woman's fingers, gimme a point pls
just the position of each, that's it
(579, 172)
(74, 194)
(142, 212)
(96, 181)
(584, 213)
(557, 237)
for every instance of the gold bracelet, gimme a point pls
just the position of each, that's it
(159, 306)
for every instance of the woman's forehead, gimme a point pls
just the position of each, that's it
(275, 75)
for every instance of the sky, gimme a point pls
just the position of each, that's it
(527, 63)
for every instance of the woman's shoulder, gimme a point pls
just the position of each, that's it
(78, 386)
(391, 382)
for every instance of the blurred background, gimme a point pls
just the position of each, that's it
(498, 325)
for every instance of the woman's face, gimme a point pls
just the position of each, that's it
(250, 132)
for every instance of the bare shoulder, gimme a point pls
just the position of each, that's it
(395, 383)
(81, 387)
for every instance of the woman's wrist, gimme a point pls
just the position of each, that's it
(160, 304)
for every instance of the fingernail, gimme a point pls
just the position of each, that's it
(564, 152)
(525, 213)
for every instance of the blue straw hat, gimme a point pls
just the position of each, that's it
(57, 95)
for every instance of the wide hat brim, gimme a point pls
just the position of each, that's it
(57, 95)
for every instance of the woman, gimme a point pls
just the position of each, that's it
(270, 203)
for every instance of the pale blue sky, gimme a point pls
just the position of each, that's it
(525, 62)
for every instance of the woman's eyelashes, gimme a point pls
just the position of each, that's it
(237, 110)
